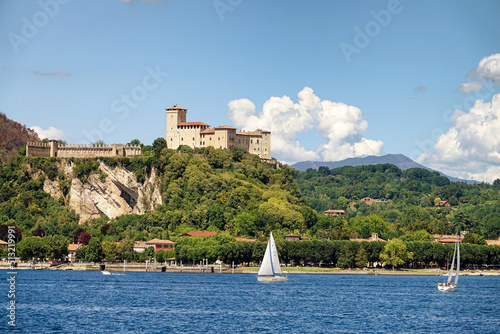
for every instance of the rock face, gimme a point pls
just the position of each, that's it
(119, 193)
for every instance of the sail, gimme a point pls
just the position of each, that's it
(458, 260)
(270, 263)
(266, 268)
(274, 256)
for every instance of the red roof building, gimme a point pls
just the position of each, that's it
(72, 248)
(160, 244)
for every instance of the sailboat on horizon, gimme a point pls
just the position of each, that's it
(448, 286)
(270, 270)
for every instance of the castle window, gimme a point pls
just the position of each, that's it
(171, 139)
(257, 141)
(182, 139)
(193, 138)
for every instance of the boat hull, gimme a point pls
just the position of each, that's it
(105, 272)
(446, 288)
(272, 278)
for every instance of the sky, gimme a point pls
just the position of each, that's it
(330, 79)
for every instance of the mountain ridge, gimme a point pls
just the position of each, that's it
(399, 160)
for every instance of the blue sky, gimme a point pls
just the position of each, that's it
(374, 77)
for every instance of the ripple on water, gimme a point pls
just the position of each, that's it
(53, 301)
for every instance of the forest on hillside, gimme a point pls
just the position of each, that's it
(406, 201)
(238, 195)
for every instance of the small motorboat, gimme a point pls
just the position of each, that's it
(105, 272)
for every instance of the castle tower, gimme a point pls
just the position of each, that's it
(54, 145)
(175, 115)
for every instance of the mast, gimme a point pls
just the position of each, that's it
(458, 258)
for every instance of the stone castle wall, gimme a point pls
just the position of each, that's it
(52, 149)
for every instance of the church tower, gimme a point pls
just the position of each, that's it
(175, 115)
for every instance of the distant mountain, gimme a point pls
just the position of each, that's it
(399, 160)
(12, 136)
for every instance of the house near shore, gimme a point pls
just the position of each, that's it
(158, 244)
(139, 246)
(442, 203)
(72, 248)
(4, 244)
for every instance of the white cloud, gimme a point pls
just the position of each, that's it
(488, 68)
(50, 133)
(472, 144)
(470, 87)
(339, 124)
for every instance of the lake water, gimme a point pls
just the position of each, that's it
(89, 302)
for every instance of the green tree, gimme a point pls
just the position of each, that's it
(110, 251)
(127, 250)
(32, 247)
(158, 145)
(237, 153)
(374, 223)
(395, 253)
(473, 238)
(361, 259)
(93, 251)
(57, 246)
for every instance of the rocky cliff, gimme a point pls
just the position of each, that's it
(116, 194)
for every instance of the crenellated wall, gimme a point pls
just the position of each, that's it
(52, 149)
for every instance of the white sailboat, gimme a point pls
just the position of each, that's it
(449, 286)
(270, 270)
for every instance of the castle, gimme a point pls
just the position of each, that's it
(52, 149)
(199, 134)
(179, 132)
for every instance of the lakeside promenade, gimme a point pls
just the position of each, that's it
(164, 267)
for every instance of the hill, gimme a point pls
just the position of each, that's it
(408, 199)
(12, 136)
(203, 189)
(399, 160)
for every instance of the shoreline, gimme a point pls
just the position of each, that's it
(215, 269)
